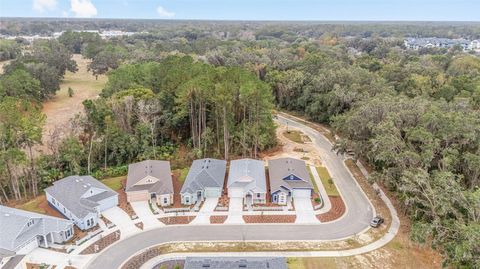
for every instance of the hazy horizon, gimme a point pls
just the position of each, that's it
(249, 10)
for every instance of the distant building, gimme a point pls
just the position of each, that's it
(205, 179)
(81, 199)
(435, 42)
(235, 263)
(289, 179)
(150, 180)
(22, 231)
(246, 179)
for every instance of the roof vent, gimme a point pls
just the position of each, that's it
(7, 215)
(84, 186)
(76, 180)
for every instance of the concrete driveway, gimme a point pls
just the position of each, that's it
(235, 211)
(203, 216)
(304, 211)
(142, 209)
(122, 220)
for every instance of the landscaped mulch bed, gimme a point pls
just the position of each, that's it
(218, 219)
(176, 220)
(102, 243)
(270, 218)
(337, 210)
(138, 260)
(38, 266)
(122, 200)
(139, 225)
(314, 196)
(177, 187)
(107, 222)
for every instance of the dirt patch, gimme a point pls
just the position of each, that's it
(107, 222)
(218, 219)
(102, 243)
(337, 210)
(176, 220)
(139, 225)
(122, 200)
(269, 218)
(177, 187)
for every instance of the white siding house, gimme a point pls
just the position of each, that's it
(81, 199)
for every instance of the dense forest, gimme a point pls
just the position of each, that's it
(184, 91)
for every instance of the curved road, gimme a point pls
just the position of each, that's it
(356, 219)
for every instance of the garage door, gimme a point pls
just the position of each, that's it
(305, 193)
(235, 192)
(28, 247)
(215, 192)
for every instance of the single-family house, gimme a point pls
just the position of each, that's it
(22, 231)
(81, 199)
(205, 179)
(246, 179)
(235, 263)
(150, 180)
(289, 179)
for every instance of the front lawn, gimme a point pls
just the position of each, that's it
(327, 181)
(34, 205)
(295, 136)
(114, 183)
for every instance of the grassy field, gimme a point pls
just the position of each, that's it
(34, 205)
(61, 108)
(327, 182)
(114, 183)
(295, 136)
(315, 187)
(182, 173)
(311, 263)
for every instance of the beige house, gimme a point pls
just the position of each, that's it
(150, 180)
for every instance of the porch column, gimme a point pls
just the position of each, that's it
(45, 240)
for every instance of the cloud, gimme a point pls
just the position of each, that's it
(43, 5)
(83, 8)
(165, 13)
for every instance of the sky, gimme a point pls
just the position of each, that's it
(350, 10)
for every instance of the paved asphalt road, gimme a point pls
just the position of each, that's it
(357, 218)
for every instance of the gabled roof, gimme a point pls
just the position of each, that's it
(235, 263)
(280, 170)
(205, 173)
(73, 193)
(159, 170)
(14, 231)
(248, 174)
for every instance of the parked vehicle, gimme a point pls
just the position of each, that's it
(376, 222)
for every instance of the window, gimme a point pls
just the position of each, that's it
(88, 222)
(258, 195)
(54, 201)
(187, 200)
(165, 200)
(64, 210)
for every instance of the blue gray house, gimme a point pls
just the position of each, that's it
(289, 178)
(246, 179)
(81, 199)
(22, 231)
(235, 263)
(205, 179)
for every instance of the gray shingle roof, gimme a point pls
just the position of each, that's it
(157, 169)
(235, 263)
(205, 173)
(248, 174)
(280, 169)
(70, 190)
(14, 231)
